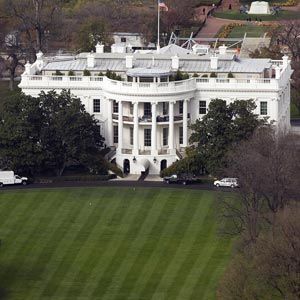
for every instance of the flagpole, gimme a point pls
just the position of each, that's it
(158, 26)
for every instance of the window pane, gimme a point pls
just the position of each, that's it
(131, 109)
(180, 107)
(147, 109)
(165, 136)
(147, 137)
(165, 108)
(263, 107)
(202, 107)
(116, 134)
(180, 135)
(131, 135)
(96, 105)
(116, 107)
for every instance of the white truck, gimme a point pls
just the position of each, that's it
(9, 177)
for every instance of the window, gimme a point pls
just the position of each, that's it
(96, 105)
(165, 108)
(180, 107)
(147, 109)
(131, 135)
(123, 40)
(147, 137)
(116, 134)
(180, 135)
(202, 107)
(264, 108)
(115, 107)
(165, 136)
(131, 109)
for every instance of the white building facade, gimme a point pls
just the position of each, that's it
(146, 116)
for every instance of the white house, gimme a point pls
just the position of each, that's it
(146, 117)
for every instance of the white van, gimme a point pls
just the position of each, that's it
(9, 177)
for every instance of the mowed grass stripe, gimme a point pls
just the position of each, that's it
(114, 229)
(68, 247)
(194, 251)
(108, 257)
(136, 247)
(221, 254)
(204, 250)
(54, 232)
(89, 261)
(80, 244)
(121, 254)
(196, 206)
(148, 247)
(169, 245)
(20, 248)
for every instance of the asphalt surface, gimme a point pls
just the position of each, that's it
(116, 184)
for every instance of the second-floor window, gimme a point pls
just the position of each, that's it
(147, 109)
(115, 107)
(202, 107)
(131, 108)
(165, 108)
(180, 107)
(96, 105)
(147, 137)
(263, 108)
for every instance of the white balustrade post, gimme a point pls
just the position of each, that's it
(171, 127)
(135, 128)
(110, 129)
(185, 123)
(120, 127)
(154, 130)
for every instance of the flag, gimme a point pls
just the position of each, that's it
(163, 5)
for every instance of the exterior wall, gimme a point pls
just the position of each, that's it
(276, 92)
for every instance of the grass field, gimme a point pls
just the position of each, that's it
(236, 15)
(252, 31)
(109, 243)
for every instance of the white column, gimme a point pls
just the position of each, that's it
(110, 129)
(154, 130)
(171, 127)
(185, 123)
(120, 128)
(135, 128)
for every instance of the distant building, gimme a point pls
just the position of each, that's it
(146, 116)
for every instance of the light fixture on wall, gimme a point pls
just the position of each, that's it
(154, 160)
(134, 159)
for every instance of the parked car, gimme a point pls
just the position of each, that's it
(9, 177)
(227, 182)
(181, 179)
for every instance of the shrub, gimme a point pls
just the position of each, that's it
(112, 75)
(86, 73)
(195, 75)
(213, 75)
(100, 74)
(204, 76)
(179, 76)
(71, 73)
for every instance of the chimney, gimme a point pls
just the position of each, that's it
(222, 50)
(99, 48)
(90, 60)
(28, 68)
(175, 62)
(129, 61)
(285, 61)
(214, 62)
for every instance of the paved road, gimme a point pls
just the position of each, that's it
(116, 184)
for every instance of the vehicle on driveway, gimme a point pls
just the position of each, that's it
(180, 179)
(226, 182)
(9, 177)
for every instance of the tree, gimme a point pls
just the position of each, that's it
(222, 126)
(49, 132)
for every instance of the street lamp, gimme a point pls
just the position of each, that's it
(134, 159)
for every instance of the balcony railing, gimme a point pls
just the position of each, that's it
(148, 119)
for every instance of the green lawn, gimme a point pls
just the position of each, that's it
(235, 15)
(110, 243)
(252, 31)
